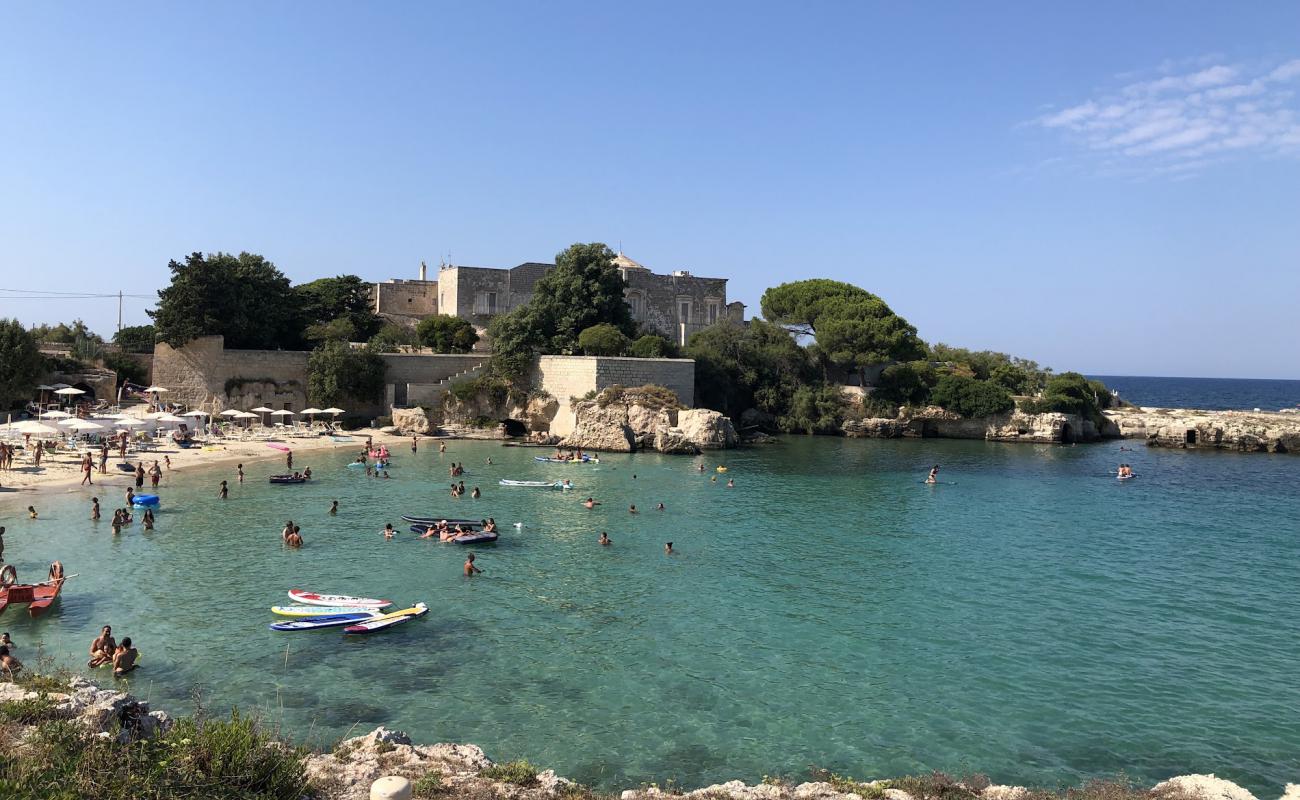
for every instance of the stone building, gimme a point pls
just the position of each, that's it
(675, 305)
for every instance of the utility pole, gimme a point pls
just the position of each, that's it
(119, 309)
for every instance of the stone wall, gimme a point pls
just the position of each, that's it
(407, 298)
(567, 377)
(658, 301)
(198, 375)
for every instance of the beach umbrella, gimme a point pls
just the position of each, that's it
(56, 415)
(263, 410)
(59, 386)
(156, 389)
(67, 420)
(284, 412)
(33, 427)
(169, 418)
(196, 414)
(231, 412)
(128, 422)
(84, 425)
(44, 388)
(155, 414)
(332, 410)
(68, 390)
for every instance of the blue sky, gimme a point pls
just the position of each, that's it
(1109, 187)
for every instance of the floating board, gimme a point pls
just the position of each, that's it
(322, 611)
(938, 483)
(533, 484)
(317, 599)
(328, 621)
(388, 620)
(583, 460)
(452, 521)
(1124, 477)
(469, 537)
(286, 479)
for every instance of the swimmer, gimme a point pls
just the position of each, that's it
(147, 519)
(590, 503)
(306, 473)
(631, 509)
(31, 512)
(239, 470)
(294, 539)
(476, 494)
(470, 569)
(415, 443)
(442, 447)
(713, 479)
(124, 658)
(934, 475)
(489, 461)
(6, 641)
(8, 663)
(334, 508)
(731, 483)
(101, 649)
(668, 549)
(660, 507)
(604, 538)
(388, 531)
(117, 521)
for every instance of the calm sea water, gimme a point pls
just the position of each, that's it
(1035, 619)
(1215, 394)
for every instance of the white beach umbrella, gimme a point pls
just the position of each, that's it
(59, 386)
(284, 412)
(68, 391)
(44, 388)
(66, 421)
(56, 415)
(263, 410)
(169, 418)
(231, 412)
(156, 389)
(33, 427)
(85, 425)
(196, 413)
(128, 422)
(332, 410)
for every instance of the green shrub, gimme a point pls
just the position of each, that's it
(127, 368)
(603, 340)
(970, 397)
(446, 334)
(520, 773)
(652, 346)
(430, 785)
(650, 395)
(30, 711)
(1071, 393)
(815, 410)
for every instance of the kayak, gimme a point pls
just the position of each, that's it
(317, 599)
(388, 620)
(328, 621)
(533, 484)
(453, 522)
(549, 460)
(323, 611)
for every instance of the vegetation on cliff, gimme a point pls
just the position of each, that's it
(338, 374)
(446, 334)
(21, 363)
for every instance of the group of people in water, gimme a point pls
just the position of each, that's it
(105, 650)
(445, 531)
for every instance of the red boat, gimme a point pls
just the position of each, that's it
(37, 596)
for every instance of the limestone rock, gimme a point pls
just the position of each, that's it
(1244, 431)
(601, 428)
(1292, 792)
(645, 422)
(674, 440)
(873, 428)
(411, 420)
(552, 784)
(897, 794)
(1205, 787)
(709, 430)
(1000, 792)
(737, 790)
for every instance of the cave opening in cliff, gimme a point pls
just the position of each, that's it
(514, 427)
(929, 430)
(1067, 434)
(1190, 438)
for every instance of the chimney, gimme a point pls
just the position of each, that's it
(424, 270)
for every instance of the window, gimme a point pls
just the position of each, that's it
(685, 308)
(485, 303)
(635, 302)
(713, 313)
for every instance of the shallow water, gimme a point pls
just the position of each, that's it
(1036, 619)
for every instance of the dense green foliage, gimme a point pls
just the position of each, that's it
(1072, 393)
(135, 339)
(243, 298)
(126, 367)
(520, 773)
(583, 290)
(446, 334)
(814, 409)
(652, 346)
(1016, 375)
(971, 397)
(336, 308)
(854, 329)
(21, 364)
(63, 333)
(758, 365)
(220, 759)
(338, 374)
(391, 338)
(603, 340)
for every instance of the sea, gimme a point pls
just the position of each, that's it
(1030, 617)
(1214, 394)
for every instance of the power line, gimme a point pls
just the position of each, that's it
(31, 293)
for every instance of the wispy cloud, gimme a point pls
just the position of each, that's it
(1183, 121)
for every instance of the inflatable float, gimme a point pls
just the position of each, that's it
(535, 484)
(145, 501)
(287, 479)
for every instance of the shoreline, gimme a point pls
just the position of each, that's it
(390, 759)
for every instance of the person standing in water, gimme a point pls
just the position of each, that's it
(155, 472)
(934, 475)
(442, 447)
(415, 443)
(470, 569)
(288, 460)
(604, 538)
(239, 471)
(334, 508)
(225, 491)
(668, 549)
(94, 508)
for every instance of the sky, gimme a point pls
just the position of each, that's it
(1109, 187)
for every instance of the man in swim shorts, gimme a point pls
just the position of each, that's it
(470, 569)
(101, 649)
(124, 658)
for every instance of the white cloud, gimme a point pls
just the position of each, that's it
(1181, 122)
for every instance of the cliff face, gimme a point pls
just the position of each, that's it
(625, 427)
(934, 422)
(1243, 431)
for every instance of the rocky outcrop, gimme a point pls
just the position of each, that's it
(411, 420)
(603, 428)
(935, 422)
(1243, 431)
(1201, 787)
(645, 422)
(674, 440)
(708, 430)
(105, 712)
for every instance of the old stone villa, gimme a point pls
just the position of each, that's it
(675, 305)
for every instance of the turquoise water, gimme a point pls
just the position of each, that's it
(1036, 620)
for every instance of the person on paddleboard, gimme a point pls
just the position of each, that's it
(934, 475)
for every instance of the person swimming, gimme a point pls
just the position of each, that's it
(631, 509)
(604, 538)
(224, 492)
(476, 494)
(31, 512)
(8, 663)
(388, 531)
(934, 475)
(659, 507)
(668, 549)
(731, 483)
(334, 508)
(590, 503)
(124, 658)
(294, 539)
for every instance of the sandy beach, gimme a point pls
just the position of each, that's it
(60, 471)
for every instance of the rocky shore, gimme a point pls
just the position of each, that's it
(352, 768)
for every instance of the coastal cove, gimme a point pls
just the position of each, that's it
(1033, 619)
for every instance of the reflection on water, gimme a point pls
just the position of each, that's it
(1036, 620)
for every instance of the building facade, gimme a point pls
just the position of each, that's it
(675, 305)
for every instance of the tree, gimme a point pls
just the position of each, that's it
(323, 301)
(971, 397)
(340, 329)
(907, 383)
(21, 364)
(243, 298)
(391, 338)
(815, 409)
(1072, 393)
(446, 334)
(603, 340)
(758, 365)
(63, 333)
(652, 346)
(126, 367)
(854, 329)
(583, 290)
(135, 339)
(336, 373)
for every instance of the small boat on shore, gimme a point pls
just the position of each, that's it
(37, 596)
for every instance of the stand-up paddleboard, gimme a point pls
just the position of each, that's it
(317, 599)
(322, 611)
(468, 537)
(938, 483)
(533, 484)
(452, 521)
(275, 446)
(1124, 477)
(328, 621)
(388, 620)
